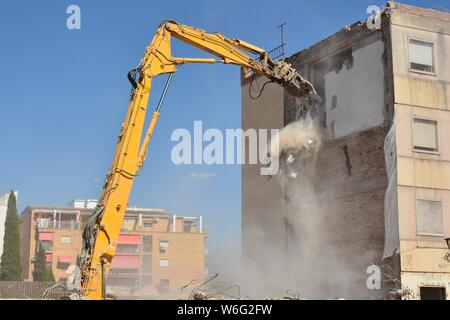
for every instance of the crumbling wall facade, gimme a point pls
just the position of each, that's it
(349, 175)
(329, 241)
(349, 181)
(262, 199)
(369, 86)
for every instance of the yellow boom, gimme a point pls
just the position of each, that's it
(101, 232)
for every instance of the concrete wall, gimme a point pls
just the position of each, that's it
(349, 176)
(411, 88)
(354, 94)
(422, 175)
(348, 72)
(262, 222)
(348, 236)
(364, 78)
(186, 254)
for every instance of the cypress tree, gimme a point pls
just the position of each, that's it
(39, 264)
(50, 275)
(41, 272)
(10, 266)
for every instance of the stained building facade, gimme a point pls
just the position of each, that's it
(157, 252)
(377, 192)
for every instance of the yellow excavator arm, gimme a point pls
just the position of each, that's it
(101, 231)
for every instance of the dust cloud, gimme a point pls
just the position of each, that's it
(310, 261)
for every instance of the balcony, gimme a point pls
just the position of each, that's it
(48, 247)
(57, 225)
(54, 219)
(114, 272)
(127, 249)
(125, 265)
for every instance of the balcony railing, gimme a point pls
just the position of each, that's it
(48, 248)
(277, 52)
(72, 225)
(127, 251)
(51, 225)
(123, 272)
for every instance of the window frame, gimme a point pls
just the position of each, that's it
(165, 266)
(65, 236)
(127, 249)
(190, 224)
(147, 246)
(149, 224)
(425, 41)
(147, 268)
(163, 249)
(438, 142)
(46, 242)
(425, 234)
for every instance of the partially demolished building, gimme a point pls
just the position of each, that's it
(378, 191)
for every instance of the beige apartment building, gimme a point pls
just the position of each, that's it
(381, 179)
(421, 71)
(157, 252)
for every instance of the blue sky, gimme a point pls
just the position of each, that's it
(64, 94)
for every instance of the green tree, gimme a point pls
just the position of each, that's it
(41, 272)
(10, 265)
(51, 276)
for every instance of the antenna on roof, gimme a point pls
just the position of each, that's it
(279, 52)
(281, 27)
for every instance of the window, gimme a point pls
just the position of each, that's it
(425, 135)
(429, 218)
(163, 285)
(187, 225)
(129, 224)
(163, 246)
(123, 271)
(146, 263)
(147, 243)
(44, 223)
(66, 240)
(164, 263)
(127, 248)
(47, 245)
(432, 293)
(148, 223)
(421, 56)
(65, 223)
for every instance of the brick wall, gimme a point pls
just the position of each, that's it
(366, 158)
(349, 181)
(186, 252)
